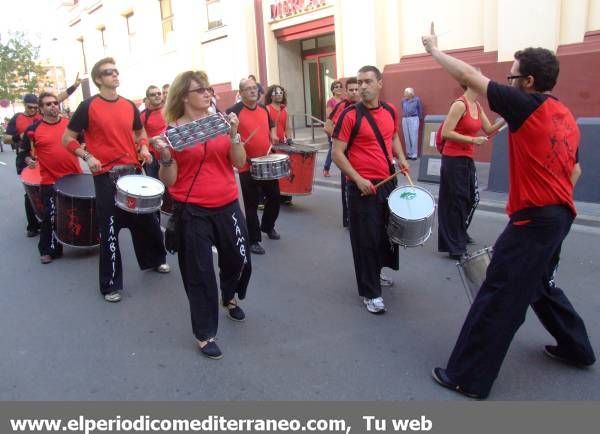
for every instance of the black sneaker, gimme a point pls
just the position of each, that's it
(257, 249)
(234, 312)
(212, 350)
(553, 352)
(273, 235)
(440, 377)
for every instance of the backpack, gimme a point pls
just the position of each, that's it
(439, 139)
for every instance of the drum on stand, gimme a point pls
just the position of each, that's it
(76, 224)
(412, 210)
(32, 179)
(302, 169)
(472, 269)
(139, 194)
(269, 167)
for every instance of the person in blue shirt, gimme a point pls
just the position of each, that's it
(412, 113)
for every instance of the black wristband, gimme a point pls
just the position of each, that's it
(71, 89)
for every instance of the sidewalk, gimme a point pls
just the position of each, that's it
(588, 213)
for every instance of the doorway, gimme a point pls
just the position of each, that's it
(319, 70)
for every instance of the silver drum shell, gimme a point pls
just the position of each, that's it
(410, 232)
(265, 170)
(137, 203)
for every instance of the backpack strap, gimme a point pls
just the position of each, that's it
(365, 112)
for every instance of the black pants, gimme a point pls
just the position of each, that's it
(344, 189)
(48, 244)
(519, 275)
(145, 230)
(151, 169)
(32, 222)
(250, 192)
(458, 198)
(225, 229)
(371, 247)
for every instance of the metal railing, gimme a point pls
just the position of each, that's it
(306, 116)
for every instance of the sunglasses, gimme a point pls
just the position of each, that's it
(51, 103)
(278, 92)
(154, 94)
(200, 90)
(31, 107)
(337, 86)
(109, 71)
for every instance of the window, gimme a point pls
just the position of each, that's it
(214, 13)
(166, 16)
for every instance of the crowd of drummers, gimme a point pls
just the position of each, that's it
(181, 144)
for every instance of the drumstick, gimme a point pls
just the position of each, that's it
(250, 136)
(389, 178)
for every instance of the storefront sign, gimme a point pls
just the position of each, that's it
(288, 8)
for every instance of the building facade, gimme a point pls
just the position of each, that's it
(305, 44)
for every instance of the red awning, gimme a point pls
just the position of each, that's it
(306, 30)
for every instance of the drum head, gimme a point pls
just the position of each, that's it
(270, 158)
(31, 176)
(411, 202)
(140, 185)
(76, 185)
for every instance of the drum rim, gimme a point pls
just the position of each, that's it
(269, 158)
(418, 188)
(78, 196)
(119, 189)
(137, 210)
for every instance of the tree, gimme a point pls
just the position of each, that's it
(19, 69)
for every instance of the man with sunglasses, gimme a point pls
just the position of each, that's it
(55, 162)
(543, 142)
(254, 118)
(154, 124)
(16, 128)
(114, 133)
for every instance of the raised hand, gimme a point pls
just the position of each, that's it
(430, 41)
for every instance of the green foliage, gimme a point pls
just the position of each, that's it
(19, 69)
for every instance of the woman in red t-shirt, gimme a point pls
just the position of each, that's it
(276, 102)
(458, 194)
(201, 180)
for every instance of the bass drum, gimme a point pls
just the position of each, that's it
(76, 224)
(302, 169)
(32, 179)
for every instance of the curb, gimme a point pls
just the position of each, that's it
(488, 205)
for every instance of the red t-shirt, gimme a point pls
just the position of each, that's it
(280, 119)
(543, 140)
(20, 122)
(154, 123)
(365, 153)
(338, 109)
(215, 184)
(468, 126)
(253, 119)
(108, 127)
(54, 159)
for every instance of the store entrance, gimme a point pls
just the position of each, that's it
(319, 70)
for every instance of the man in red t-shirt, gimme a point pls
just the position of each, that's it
(543, 141)
(113, 134)
(55, 162)
(352, 97)
(154, 123)
(254, 118)
(365, 161)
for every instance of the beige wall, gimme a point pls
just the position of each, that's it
(290, 73)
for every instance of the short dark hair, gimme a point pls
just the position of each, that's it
(371, 68)
(149, 88)
(269, 94)
(542, 64)
(96, 68)
(46, 95)
(334, 84)
(351, 80)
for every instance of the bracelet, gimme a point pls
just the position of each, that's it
(166, 163)
(86, 156)
(71, 89)
(142, 142)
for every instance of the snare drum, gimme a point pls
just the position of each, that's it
(31, 179)
(472, 269)
(139, 194)
(121, 170)
(302, 169)
(273, 166)
(412, 209)
(76, 224)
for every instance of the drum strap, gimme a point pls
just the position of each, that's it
(362, 111)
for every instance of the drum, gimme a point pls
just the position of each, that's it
(31, 179)
(168, 204)
(139, 194)
(76, 224)
(472, 269)
(273, 166)
(122, 170)
(302, 169)
(412, 209)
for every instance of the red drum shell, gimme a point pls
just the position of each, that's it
(31, 179)
(302, 170)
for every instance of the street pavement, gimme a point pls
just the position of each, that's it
(307, 335)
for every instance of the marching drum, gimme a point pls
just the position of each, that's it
(302, 169)
(31, 179)
(139, 194)
(412, 210)
(273, 166)
(76, 224)
(122, 170)
(472, 269)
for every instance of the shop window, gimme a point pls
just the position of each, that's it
(166, 16)
(214, 13)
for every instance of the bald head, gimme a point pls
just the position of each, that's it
(248, 91)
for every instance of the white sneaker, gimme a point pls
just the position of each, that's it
(384, 280)
(163, 268)
(374, 305)
(113, 297)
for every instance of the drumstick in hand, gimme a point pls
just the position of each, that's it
(250, 136)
